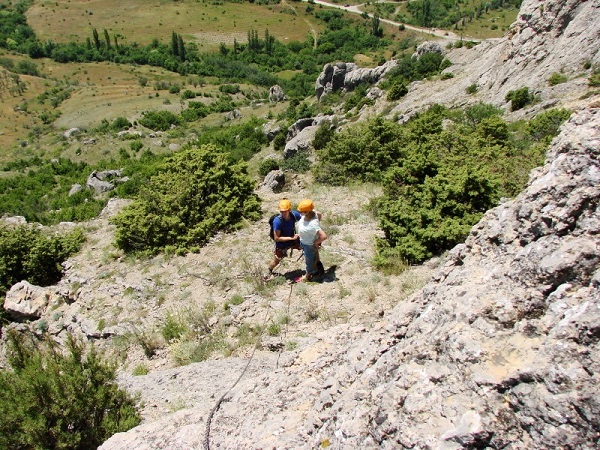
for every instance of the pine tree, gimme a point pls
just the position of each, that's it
(181, 47)
(174, 44)
(107, 39)
(96, 39)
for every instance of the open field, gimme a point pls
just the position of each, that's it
(205, 23)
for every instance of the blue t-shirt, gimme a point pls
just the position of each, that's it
(287, 227)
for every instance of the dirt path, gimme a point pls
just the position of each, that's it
(310, 25)
(443, 34)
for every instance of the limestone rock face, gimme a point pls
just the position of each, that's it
(26, 301)
(547, 37)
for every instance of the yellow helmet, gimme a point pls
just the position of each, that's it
(285, 205)
(306, 205)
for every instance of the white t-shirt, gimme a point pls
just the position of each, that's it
(307, 230)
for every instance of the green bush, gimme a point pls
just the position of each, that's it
(437, 180)
(279, 141)
(50, 400)
(230, 88)
(195, 111)
(136, 145)
(519, 98)
(471, 89)
(545, 125)
(119, 124)
(323, 135)
(187, 94)
(267, 166)
(174, 327)
(28, 254)
(362, 153)
(557, 78)
(159, 120)
(298, 163)
(197, 193)
(594, 80)
(435, 213)
(397, 91)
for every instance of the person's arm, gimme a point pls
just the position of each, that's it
(319, 215)
(321, 236)
(279, 238)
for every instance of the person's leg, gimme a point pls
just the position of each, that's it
(278, 255)
(310, 260)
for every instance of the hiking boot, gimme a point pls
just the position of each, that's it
(269, 276)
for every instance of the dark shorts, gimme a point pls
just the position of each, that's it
(281, 252)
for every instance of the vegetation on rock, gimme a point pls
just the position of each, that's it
(440, 172)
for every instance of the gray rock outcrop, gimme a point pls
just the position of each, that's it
(547, 37)
(346, 76)
(271, 129)
(301, 142)
(71, 132)
(233, 115)
(276, 94)
(274, 181)
(104, 181)
(428, 47)
(75, 189)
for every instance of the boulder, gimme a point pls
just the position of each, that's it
(274, 181)
(25, 301)
(76, 188)
(104, 181)
(71, 132)
(302, 142)
(428, 47)
(130, 133)
(232, 115)
(276, 94)
(271, 129)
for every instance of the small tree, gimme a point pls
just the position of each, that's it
(28, 254)
(197, 193)
(519, 98)
(52, 400)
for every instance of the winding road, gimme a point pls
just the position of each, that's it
(443, 34)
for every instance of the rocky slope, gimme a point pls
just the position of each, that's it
(547, 37)
(499, 350)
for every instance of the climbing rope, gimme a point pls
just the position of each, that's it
(215, 408)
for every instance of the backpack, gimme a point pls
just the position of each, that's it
(271, 219)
